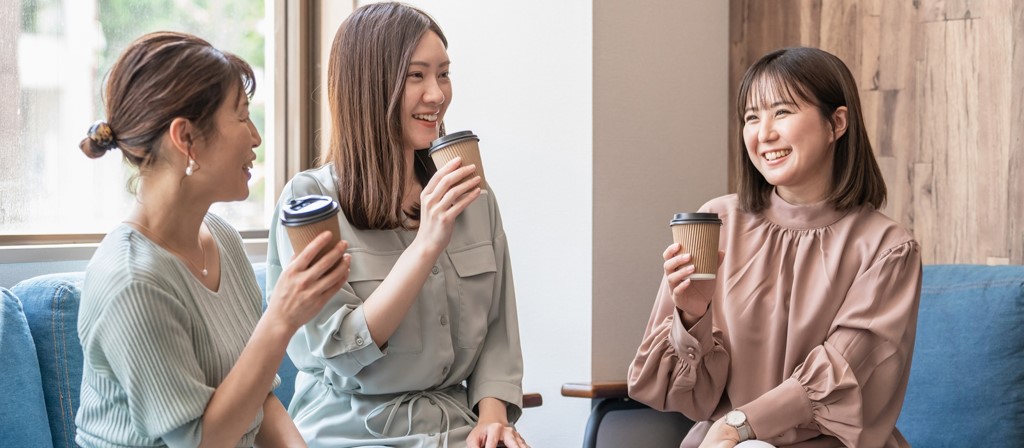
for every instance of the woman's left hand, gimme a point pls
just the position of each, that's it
(721, 436)
(487, 435)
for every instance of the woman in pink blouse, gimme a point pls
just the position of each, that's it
(805, 337)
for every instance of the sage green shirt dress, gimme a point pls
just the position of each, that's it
(458, 344)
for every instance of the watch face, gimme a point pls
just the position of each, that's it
(735, 418)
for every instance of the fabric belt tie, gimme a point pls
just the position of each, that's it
(437, 398)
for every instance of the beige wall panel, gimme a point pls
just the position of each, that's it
(660, 70)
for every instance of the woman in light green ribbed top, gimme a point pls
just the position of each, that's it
(176, 353)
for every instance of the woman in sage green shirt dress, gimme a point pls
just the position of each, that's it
(421, 347)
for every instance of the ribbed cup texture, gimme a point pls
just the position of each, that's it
(469, 150)
(301, 236)
(700, 239)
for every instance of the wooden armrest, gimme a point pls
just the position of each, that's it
(610, 389)
(532, 400)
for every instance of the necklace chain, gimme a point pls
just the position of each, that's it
(168, 247)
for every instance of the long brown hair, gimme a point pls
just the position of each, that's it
(822, 80)
(159, 77)
(365, 83)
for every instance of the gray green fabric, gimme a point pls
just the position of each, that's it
(458, 344)
(157, 342)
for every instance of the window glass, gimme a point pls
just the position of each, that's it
(56, 55)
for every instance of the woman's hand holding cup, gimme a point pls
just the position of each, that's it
(690, 297)
(309, 282)
(443, 199)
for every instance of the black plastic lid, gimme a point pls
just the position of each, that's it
(691, 218)
(308, 209)
(451, 138)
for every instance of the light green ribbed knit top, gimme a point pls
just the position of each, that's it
(157, 342)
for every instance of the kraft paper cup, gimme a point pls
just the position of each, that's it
(463, 144)
(698, 233)
(307, 217)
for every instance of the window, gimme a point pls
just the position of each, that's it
(56, 55)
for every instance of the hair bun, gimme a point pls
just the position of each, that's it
(101, 135)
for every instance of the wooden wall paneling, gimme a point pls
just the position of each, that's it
(994, 32)
(841, 31)
(895, 133)
(960, 178)
(1015, 174)
(932, 135)
(942, 10)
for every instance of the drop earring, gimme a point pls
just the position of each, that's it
(191, 167)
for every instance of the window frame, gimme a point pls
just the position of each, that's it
(298, 45)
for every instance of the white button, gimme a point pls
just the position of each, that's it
(444, 320)
(359, 341)
(691, 356)
(690, 349)
(435, 270)
(444, 371)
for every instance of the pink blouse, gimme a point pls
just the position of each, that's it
(810, 330)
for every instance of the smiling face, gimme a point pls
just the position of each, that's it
(428, 91)
(790, 143)
(227, 155)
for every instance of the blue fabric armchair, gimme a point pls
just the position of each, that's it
(966, 379)
(48, 354)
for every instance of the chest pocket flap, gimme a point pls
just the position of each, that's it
(476, 269)
(474, 260)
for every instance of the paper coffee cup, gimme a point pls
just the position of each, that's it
(697, 233)
(307, 217)
(463, 144)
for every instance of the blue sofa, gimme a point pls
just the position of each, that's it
(42, 359)
(966, 380)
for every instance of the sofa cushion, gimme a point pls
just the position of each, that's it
(51, 306)
(967, 376)
(20, 386)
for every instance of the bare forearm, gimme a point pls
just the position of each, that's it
(387, 306)
(277, 429)
(493, 410)
(240, 396)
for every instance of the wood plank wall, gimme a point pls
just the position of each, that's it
(942, 85)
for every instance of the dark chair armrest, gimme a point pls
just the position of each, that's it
(609, 389)
(532, 400)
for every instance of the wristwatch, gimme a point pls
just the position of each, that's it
(737, 419)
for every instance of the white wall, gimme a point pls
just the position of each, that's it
(521, 74)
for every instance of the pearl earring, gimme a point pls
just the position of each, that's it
(191, 168)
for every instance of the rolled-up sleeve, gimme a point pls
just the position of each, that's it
(338, 334)
(499, 371)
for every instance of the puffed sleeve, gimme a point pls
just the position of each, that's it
(852, 386)
(676, 369)
(147, 343)
(338, 334)
(499, 371)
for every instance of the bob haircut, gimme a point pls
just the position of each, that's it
(365, 84)
(822, 80)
